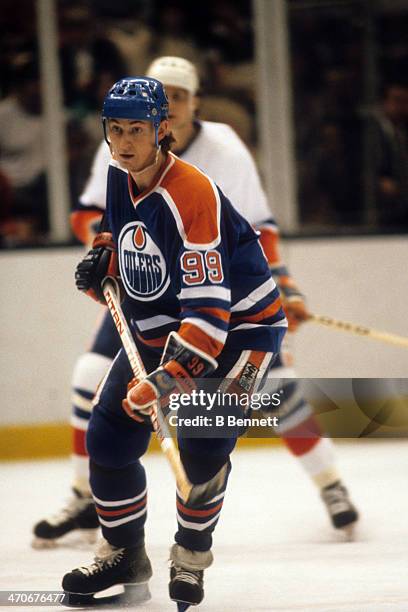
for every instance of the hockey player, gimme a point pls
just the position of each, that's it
(201, 302)
(217, 150)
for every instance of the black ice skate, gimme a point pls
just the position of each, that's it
(78, 515)
(118, 575)
(342, 512)
(186, 586)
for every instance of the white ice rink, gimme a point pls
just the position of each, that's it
(274, 548)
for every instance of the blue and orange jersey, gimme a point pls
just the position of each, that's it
(190, 262)
(215, 149)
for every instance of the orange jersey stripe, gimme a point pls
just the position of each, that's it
(190, 512)
(200, 339)
(218, 313)
(121, 512)
(195, 201)
(81, 221)
(270, 243)
(269, 311)
(157, 342)
(256, 358)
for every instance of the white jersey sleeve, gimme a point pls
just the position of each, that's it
(221, 154)
(94, 193)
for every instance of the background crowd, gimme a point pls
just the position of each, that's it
(349, 64)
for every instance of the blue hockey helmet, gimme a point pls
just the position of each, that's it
(140, 98)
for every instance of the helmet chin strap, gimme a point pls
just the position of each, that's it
(135, 174)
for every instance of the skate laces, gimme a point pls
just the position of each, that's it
(106, 556)
(186, 575)
(73, 506)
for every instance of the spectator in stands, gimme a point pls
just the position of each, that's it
(172, 32)
(24, 214)
(390, 123)
(85, 52)
(22, 162)
(337, 168)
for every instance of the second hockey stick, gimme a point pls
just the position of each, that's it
(158, 421)
(360, 330)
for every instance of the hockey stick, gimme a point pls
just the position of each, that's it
(359, 330)
(159, 424)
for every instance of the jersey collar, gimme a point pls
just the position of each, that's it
(136, 199)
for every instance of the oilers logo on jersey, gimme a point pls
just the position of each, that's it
(142, 265)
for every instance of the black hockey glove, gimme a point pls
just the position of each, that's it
(99, 263)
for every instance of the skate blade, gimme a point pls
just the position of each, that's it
(41, 543)
(74, 600)
(183, 605)
(80, 538)
(117, 595)
(88, 536)
(136, 593)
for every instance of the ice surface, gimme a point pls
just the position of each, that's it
(274, 547)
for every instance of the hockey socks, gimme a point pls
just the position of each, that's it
(121, 502)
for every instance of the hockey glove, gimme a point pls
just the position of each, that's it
(181, 363)
(293, 301)
(99, 263)
(296, 313)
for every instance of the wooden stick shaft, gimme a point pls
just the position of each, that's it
(158, 421)
(360, 330)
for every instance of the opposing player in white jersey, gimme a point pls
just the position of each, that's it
(217, 150)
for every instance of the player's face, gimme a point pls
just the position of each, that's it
(182, 107)
(132, 142)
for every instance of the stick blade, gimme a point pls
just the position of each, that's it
(202, 493)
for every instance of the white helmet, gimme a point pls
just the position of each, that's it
(176, 72)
